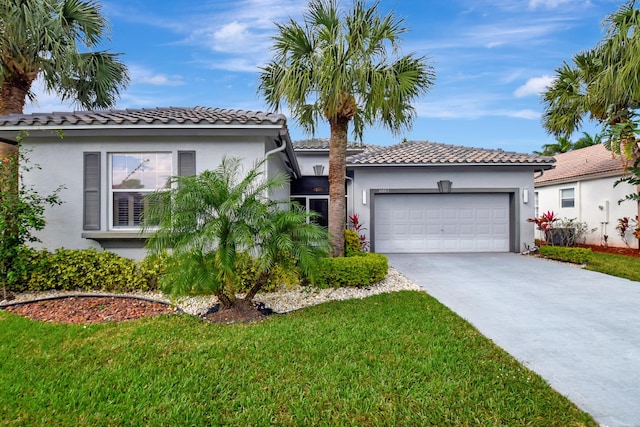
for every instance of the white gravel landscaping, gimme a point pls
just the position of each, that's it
(280, 302)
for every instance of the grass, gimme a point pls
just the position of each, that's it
(616, 265)
(392, 359)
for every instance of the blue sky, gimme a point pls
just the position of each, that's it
(491, 57)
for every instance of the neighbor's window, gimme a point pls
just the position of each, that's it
(133, 176)
(536, 201)
(567, 198)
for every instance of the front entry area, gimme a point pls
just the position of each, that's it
(432, 223)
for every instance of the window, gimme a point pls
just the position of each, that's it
(317, 204)
(536, 204)
(133, 176)
(567, 198)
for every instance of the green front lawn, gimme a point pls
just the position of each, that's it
(392, 359)
(615, 265)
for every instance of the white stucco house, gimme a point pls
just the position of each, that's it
(421, 197)
(412, 197)
(581, 186)
(108, 161)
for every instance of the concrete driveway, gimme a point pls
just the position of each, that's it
(578, 329)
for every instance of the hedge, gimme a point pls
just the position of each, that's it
(568, 254)
(365, 269)
(89, 270)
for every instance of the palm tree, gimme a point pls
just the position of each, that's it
(603, 84)
(587, 140)
(337, 67)
(218, 224)
(562, 145)
(41, 38)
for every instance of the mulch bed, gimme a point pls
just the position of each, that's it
(85, 309)
(632, 252)
(82, 309)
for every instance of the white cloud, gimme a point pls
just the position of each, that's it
(533, 86)
(549, 4)
(471, 107)
(525, 114)
(142, 75)
(46, 101)
(232, 38)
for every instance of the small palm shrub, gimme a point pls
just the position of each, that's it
(225, 235)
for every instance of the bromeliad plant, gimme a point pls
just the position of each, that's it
(219, 220)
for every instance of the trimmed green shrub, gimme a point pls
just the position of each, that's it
(355, 271)
(90, 270)
(280, 278)
(152, 267)
(562, 253)
(351, 242)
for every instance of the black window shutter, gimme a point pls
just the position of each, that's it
(186, 163)
(91, 200)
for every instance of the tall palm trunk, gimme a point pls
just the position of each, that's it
(337, 173)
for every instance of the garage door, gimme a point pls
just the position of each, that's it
(414, 223)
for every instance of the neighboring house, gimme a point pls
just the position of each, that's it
(412, 197)
(108, 161)
(582, 187)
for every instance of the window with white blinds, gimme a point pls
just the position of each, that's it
(133, 176)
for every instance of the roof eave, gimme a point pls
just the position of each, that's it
(575, 178)
(534, 165)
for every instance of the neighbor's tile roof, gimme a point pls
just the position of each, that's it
(584, 163)
(433, 153)
(146, 117)
(321, 144)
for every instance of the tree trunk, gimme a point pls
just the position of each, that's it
(337, 175)
(262, 280)
(225, 300)
(13, 93)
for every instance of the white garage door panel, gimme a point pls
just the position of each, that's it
(407, 223)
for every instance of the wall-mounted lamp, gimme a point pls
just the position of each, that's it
(444, 186)
(364, 197)
(525, 196)
(318, 170)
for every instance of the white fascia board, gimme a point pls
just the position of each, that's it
(117, 126)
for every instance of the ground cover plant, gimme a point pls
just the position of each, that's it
(392, 359)
(619, 265)
(627, 267)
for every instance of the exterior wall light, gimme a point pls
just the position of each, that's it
(318, 170)
(444, 186)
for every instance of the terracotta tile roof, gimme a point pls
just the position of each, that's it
(587, 162)
(432, 153)
(322, 144)
(146, 117)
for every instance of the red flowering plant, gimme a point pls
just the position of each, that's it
(545, 222)
(358, 227)
(626, 224)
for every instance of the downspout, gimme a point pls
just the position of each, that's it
(279, 149)
(276, 150)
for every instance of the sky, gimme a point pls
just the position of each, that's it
(492, 59)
